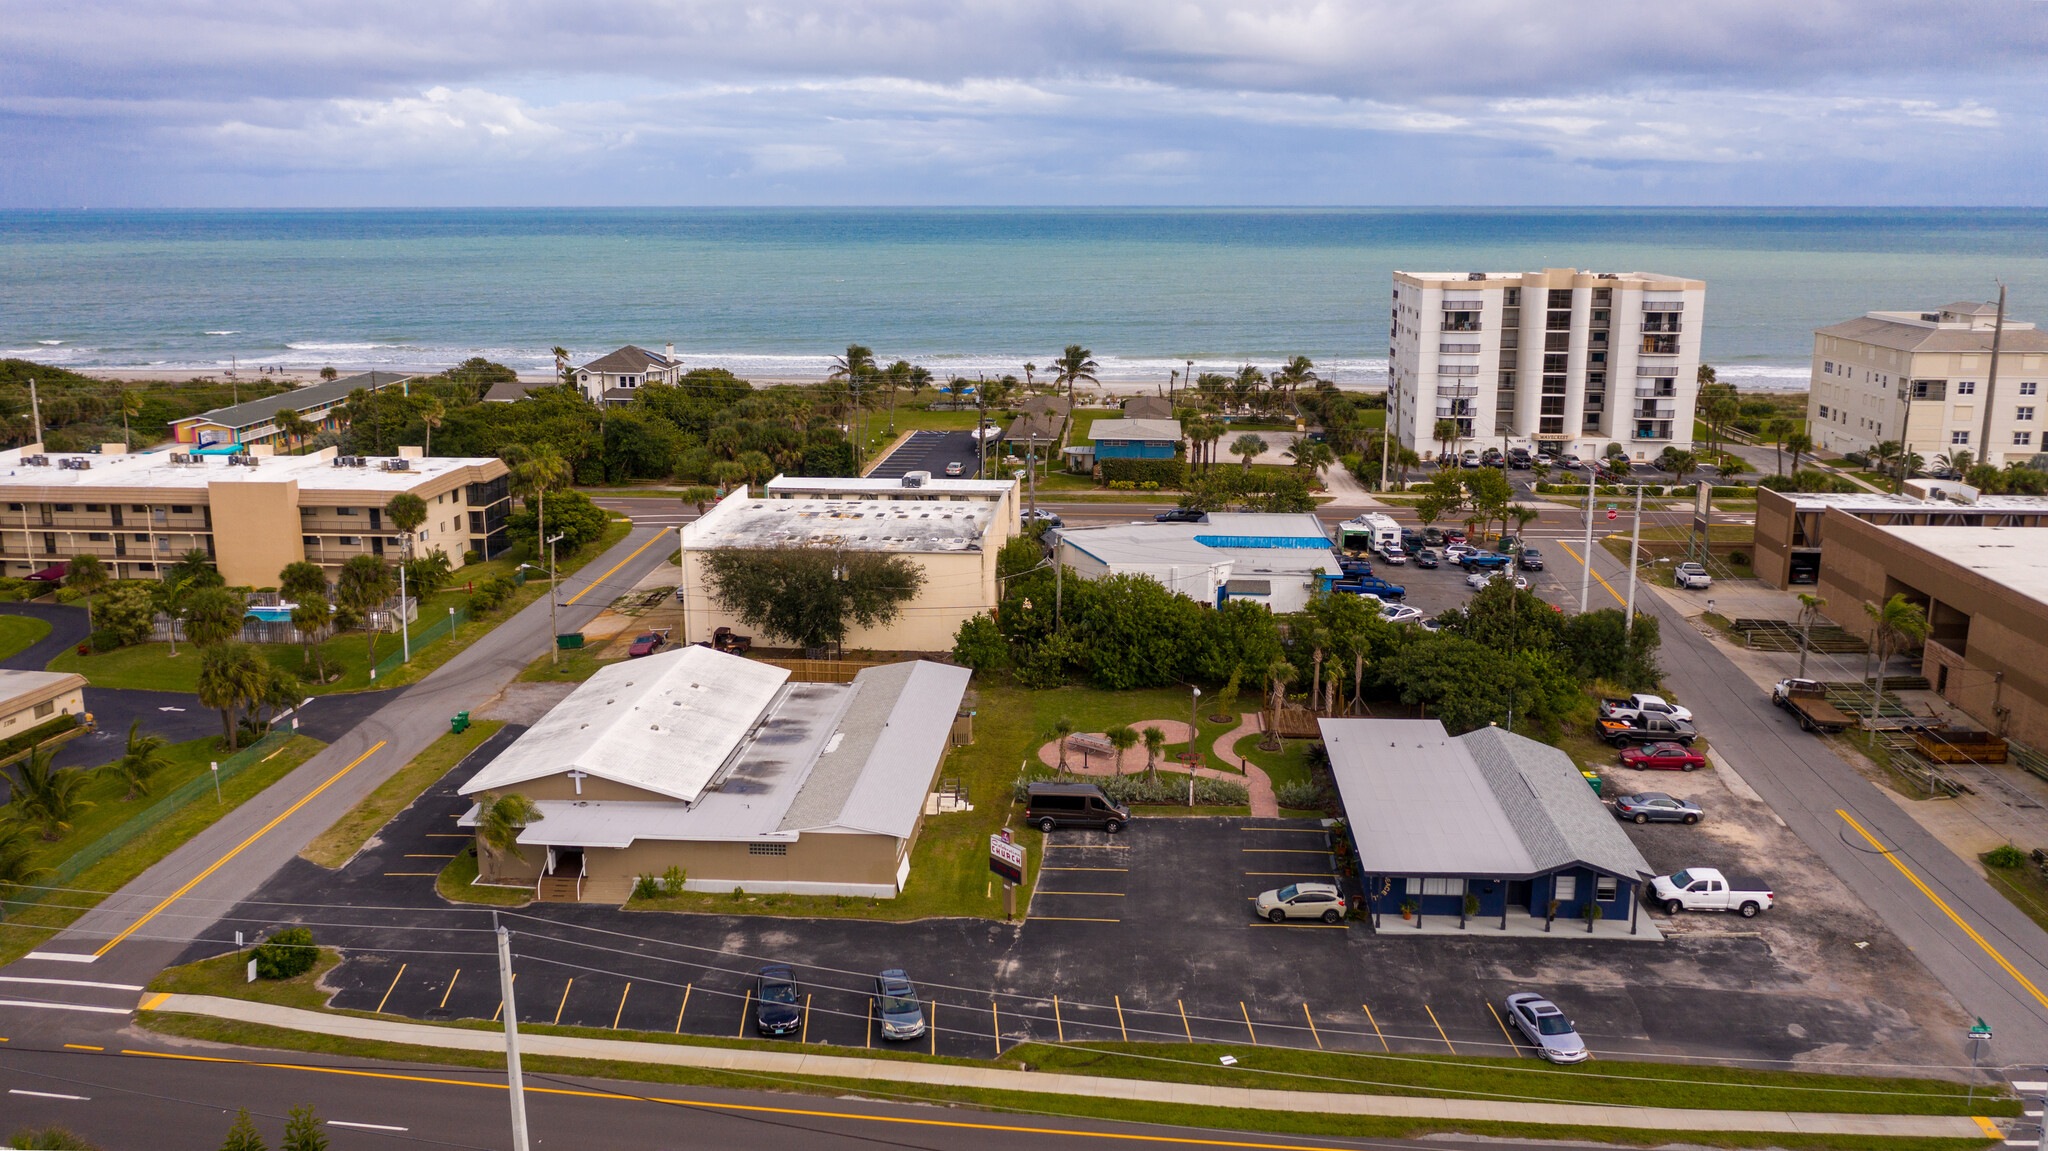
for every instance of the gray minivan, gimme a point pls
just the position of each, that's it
(1073, 805)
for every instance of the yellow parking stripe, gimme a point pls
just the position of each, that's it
(1375, 1027)
(1312, 1026)
(390, 989)
(1504, 1030)
(1071, 919)
(1439, 1029)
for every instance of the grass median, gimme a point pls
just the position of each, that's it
(18, 632)
(340, 842)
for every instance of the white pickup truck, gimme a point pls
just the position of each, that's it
(1691, 575)
(1705, 889)
(1644, 705)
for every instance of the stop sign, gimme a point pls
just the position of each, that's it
(1611, 513)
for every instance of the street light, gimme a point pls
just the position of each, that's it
(554, 598)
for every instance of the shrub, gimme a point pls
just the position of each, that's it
(287, 953)
(69, 595)
(1169, 790)
(104, 640)
(16, 744)
(1299, 793)
(1165, 473)
(646, 887)
(472, 556)
(2005, 855)
(1740, 559)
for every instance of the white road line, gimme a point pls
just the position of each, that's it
(365, 1126)
(50, 1095)
(61, 956)
(72, 983)
(63, 1006)
(2029, 1085)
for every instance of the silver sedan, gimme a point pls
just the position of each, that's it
(1539, 1020)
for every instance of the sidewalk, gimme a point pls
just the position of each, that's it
(1044, 1083)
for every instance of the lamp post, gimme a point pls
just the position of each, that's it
(1194, 713)
(554, 599)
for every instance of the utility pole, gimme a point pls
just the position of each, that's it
(512, 1076)
(404, 628)
(981, 426)
(554, 599)
(1586, 573)
(1635, 539)
(1991, 380)
(1387, 425)
(35, 406)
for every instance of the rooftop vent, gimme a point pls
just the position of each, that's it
(1475, 275)
(1931, 317)
(37, 461)
(71, 464)
(397, 464)
(915, 479)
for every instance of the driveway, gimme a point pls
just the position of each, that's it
(67, 630)
(931, 452)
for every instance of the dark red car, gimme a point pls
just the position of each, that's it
(1663, 757)
(646, 643)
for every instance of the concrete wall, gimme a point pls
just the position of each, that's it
(249, 547)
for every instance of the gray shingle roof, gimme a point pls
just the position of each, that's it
(254, 412)
(874, 774)
(1148, 408)
(630, 358)
(1558, 818)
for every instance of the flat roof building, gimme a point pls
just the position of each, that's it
(1559, 360)
(722, 767)
(952, 529)
(251, 513)
(1479, 832)
(1792, 528)
(255, 422)
(1271, 559)
(1869, 373)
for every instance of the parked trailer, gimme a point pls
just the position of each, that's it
(1808, 699)
(1960, 746)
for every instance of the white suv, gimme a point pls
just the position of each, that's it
(1302, 901)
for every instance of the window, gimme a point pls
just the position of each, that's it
(348, 511)
(2026, 413)
(1966, 387)
(43, 709)
(61, 507)
(767, 849)
(142, 537)
(1605, 888)
(310, 541)
(1959, 438)
(1560, 297)
(2029, 387)
(98, 537)
(1823, 411)
(181, 509)
(1437, 886)
(95, 507)
(2023, 439)
(350, 541)
(1828, 366)
(138, 507)
(1565, 888)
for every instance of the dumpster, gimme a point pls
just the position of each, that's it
(459, 722)
(569, 640)
(1592, 780)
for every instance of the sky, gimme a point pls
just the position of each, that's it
(344, 103)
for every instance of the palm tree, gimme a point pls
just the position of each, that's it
(294, 426)
(1777, 430)
(364, 584)
(1061, 729)
(1799, 444)
(310, 613)
(1247, 447)
(1681, 463)
(1522, 516)
(46, 796)
(88, 576)
(231, 675)
(1294, 373)
(433, 413)
(407, 512)
(699, 496)
(1446, 434)
(1310, 456)
(1955, 461)
(536, 471)
(1279, 674)
(1205, 432)
(15, 851)
(131, 405)
(1123, 737)
(499, 820)
(1073, 365)
(1155, 746)
(1893, 627)
(299, 579)
(143, 759)
(213, 615)
(565, 373)
(852, 370)
(1809, 610)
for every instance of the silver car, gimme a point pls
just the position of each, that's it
(1539, 1020)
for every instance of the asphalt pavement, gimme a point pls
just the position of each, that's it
(931, 452)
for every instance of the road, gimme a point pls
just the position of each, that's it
(134, 932)
(147, 1093)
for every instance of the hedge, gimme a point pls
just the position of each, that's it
(289, 952)
(1165, 473)
(16, 744)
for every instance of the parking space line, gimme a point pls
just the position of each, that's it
(746, 1009)
(1059, 1025)
(1375, 1027)
(803, 1034)
(995, 1020)
(1289, 874)
(1290, 923)
(565, 1000)
(1043, 867)
(501, 1000)
(1185, 1029)
(1121, 1029)
(1089, 846)
(868, 1040)
(1312, 1026)
(621, 1012)
(1296, 830)
(1285, 850)
(1111, 894)
(451, 988)
(683, 1008)
(1248, 1022)
(1440, 1029)
(1070, 919)
(1504, 1030)
(390, 989)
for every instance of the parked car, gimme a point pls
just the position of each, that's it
(1040, 515)
(1544, 458)
(1508, 543)
(1481, 560)
(1530, 560)
(1055, 805)
(1181, 516)
(1539, 1021)
(1370, 585)
(1393, 553)
(896, 1003)
(1656, 807)
(1691, 575)
(1432, 625)
(1301, 901)
(1470, 459)
(955, 468)
(1518, 457)
(1411, 538)
(1433, 537)
(1400, 613)
(1643, 704)
(1706, 889)
(646, 643)
(1647, 729)
(1426, 558)
(1453, 536)
(1808, 699)
(1480, 579)
(1663, 757)
(1455, 552)
(775, 1001)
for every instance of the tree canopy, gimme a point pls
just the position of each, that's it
(811, 597)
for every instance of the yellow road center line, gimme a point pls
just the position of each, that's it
(1070, 919)
(1043, 868)
(1185, 1029)
(390, 989)
(683, 1008)
(1312, 1026)
(803, 1034)
(217, 864)
(565, 1000)
(934, 1027)
(1581, 560)
(1121, 1029)
(995, 1020)
(1881, 849)
(621, 1012)
(1248, 1022)
(872, 1007)
(83, 1047)
(615, 567)
(1991, 1130)
(451, 987)
(1375, 1026)
(430, 857)
(1504, 1030)
(1439, 1029)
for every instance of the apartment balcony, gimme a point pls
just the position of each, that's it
(1655, 412)
(1449, 391)
(1458, 349)
(1656, 391)
(1667, 326)
(1659, 346)
(1460, 326)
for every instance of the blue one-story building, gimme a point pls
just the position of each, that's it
(1135, 439)
(1487, 830)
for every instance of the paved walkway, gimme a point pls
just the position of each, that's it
(1264, 804)
(1095, 763)
(1045, 1083)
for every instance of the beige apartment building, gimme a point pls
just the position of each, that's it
(1926, 378)
(251, 514)
(1558, 360)
(952, 529)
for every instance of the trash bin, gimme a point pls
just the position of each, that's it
(569, 640)
(1592, 780)
(459, 722)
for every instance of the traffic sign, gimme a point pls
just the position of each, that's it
(1982, 1031)
(1611, 513)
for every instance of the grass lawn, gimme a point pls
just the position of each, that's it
(572, 666)
(228, 977)
(36, 924)
(2024, 887)
(340, 842)
(457, 882)
(949, 866)
(1289, 766)
(17, 632)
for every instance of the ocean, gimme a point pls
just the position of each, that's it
(775, 293)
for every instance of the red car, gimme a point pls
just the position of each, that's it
(647, 643)
(1663, 757)
(1453, 536)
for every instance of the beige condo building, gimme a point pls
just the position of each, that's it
(1926, 377)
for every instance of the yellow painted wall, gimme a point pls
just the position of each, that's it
(255, 529)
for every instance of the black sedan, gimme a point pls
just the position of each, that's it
(1181, 516)
(775, 1001)
(1530, 560)
(1426, 558)
(1656, 807)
